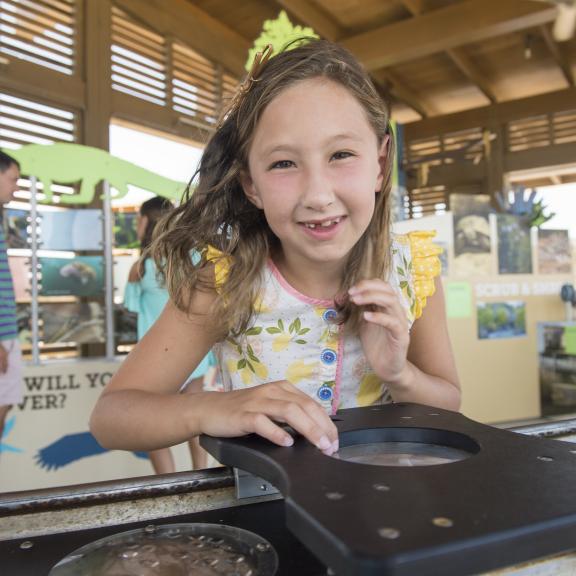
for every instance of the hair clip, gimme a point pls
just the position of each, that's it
(260, 59)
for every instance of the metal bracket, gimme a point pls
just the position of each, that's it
(250, 486)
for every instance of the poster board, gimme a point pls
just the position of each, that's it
(47, 442)
(499, 375)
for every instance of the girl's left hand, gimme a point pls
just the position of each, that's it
(384, 331)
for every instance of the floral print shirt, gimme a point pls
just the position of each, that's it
(294, 337)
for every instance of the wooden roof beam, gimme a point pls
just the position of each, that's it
(494, 115)
(195, 27)
(391, 84)
(310, 15)
(460, 59)
(558, 54)
(469, 69)
(446, 28)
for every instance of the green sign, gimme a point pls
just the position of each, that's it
(74, 163)
(458, 300)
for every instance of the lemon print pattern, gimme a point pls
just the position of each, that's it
(298, 339)
(246, 363)
(370, 390)
(283, 337)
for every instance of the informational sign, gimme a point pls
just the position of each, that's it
(80, 276)
(72, 230)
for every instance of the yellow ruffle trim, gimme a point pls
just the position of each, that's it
(221, 265)
(425, 266)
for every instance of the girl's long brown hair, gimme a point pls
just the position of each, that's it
(217, 212)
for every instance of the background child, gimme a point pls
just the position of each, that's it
(308, 300)
(146, 296)
(10, 354)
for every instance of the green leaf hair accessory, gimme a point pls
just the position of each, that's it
(277, 34)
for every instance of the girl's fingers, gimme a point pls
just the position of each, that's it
(391, 323)
(376, 299)
(388, 303)
(303, 414)
(263, 426)
(306, 417)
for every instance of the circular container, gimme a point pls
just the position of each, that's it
(174, 550)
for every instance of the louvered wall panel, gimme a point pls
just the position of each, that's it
(24, 121)
(167, 72)
(40, 31)
(529, 133)
(465, 146)
(564, 127)
(196, 85)
(424, 201)
(139, 57)
(544, 130)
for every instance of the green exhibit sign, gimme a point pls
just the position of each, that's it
(74, 163)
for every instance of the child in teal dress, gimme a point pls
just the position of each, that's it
(146, 296)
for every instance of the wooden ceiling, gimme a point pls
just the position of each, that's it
(445, 65)
(477, 80)
(433, 57)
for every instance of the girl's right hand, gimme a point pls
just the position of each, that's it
(259, 410)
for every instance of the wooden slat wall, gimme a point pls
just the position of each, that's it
(166, 72)
(462, 147)
(147, 77)
(197, 85)
(139, 58)
(40, 31)
(25, 121)
(543, 130)
(467, 149)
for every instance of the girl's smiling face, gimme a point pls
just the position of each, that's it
(315, 167)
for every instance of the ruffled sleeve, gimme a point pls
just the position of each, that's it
(425, 266)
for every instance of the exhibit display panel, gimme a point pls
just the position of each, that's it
(557, 367)
(495, 299)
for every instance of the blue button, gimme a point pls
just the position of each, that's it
(328, 356)
(329, 315)
(325, 393)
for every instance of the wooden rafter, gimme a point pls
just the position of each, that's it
(195, 27)
(392, 84)
(311, 15)
(458, 57)
(558, 54)
(469, 69)
(446, 28)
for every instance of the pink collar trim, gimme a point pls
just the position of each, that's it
(291, 290)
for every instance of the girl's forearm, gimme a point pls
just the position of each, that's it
(138, 420)
(421, 388)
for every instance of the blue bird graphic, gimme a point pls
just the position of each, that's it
(71, 448)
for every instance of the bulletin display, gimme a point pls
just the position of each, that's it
(69, 282)
(501, 279)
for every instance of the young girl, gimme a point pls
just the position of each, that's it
(146, 296)
(309, 302)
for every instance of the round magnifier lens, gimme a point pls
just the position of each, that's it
(401, 454)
